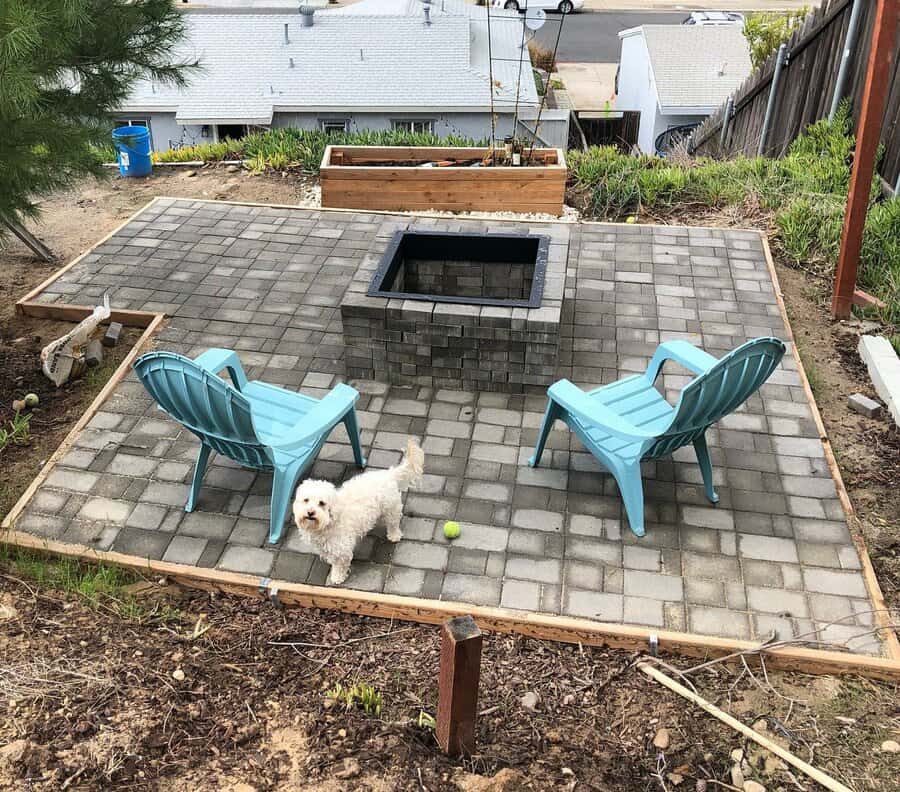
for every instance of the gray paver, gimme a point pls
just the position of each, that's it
(551, 538)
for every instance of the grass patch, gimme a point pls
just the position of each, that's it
(101, 586)
(288, 148)
(802, 196)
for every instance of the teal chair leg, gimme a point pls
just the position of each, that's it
(628, 477)
(353, 431)
(552, 412)
(705, 468)
(284, 480)
(199, 472)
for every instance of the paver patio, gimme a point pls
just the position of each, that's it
(774, 554)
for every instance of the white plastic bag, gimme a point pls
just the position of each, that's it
(59, 357)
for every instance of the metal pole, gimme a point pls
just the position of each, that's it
(844, 71)
(773, 93)
(729, 108)
(897, 187)
(868, 134)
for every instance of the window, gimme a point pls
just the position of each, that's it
(230, 131)
(142, 122)
(418, 126)
(335, 126)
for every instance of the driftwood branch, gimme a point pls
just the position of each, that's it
(814, 773)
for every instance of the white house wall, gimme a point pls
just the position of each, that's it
(637, 88)
(166, 133)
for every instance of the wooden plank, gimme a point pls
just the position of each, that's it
(66, 312)
(421, 153)
(868, 135)
(536, 625)
(876, 596)
(94, 406)
(62, 270)
(460, 671)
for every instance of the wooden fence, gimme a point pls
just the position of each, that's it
(805, 90)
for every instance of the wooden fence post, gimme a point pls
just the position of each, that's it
(458, 685)
(867, 136)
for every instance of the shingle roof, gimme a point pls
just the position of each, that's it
(696, 66)
(344, 62)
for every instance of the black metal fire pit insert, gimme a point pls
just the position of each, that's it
(469, 269)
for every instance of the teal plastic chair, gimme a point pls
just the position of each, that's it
(256, 424)
(628, 421)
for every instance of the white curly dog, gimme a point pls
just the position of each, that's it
(333, 520)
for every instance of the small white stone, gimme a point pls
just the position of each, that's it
(178, 675)
(890, 746)
(530, 701)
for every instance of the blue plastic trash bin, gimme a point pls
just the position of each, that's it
(133, 146)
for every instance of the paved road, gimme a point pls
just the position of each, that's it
(593, 36)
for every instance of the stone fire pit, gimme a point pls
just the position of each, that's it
(454, 309)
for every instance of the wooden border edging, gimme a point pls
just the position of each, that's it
(566, 629)
(93, 407)
(882, 614)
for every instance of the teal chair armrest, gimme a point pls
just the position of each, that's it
(320, 419)
(682, 352)
(591, 412)
(214, 360)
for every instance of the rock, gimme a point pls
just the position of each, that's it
(737, 776)
(232, 169)
(18, 405)
(178, 675)
(351, 769)
(506, 780)
(661, 740)
(530, 701)
(890, 746)
(25, 755)
(845, 721)
(753, 786)
(190, 174)
(737, 755)
(675, 778)
(568, 700)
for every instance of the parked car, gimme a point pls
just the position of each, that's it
(563, 6)
(714, 18)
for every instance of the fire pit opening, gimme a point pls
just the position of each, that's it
(487, 269)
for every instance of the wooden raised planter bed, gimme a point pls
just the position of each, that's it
(389, 178)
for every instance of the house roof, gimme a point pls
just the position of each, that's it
(345, 62)
(695, 67)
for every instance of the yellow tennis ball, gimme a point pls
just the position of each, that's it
(631, 219)
(451, 529)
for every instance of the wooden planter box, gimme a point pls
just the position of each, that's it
(362, 177)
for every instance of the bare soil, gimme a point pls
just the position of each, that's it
(103, 702)
(21, 341)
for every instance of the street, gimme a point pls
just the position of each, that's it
(593, 36)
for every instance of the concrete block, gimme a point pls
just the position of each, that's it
(111, 336)
(884, 369)
(863, 405)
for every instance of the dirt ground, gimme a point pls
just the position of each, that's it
(231, 694)
(185, 691)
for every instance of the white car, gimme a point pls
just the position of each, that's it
(714, 18)
(563, 6)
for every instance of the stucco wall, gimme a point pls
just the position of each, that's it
(165, 133)
(637, 88)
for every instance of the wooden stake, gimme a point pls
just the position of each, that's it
(867, 137)
(814, 773)
(458, 685)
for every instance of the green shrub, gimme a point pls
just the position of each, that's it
(765, 31)
(289, 148)
(805, 194)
